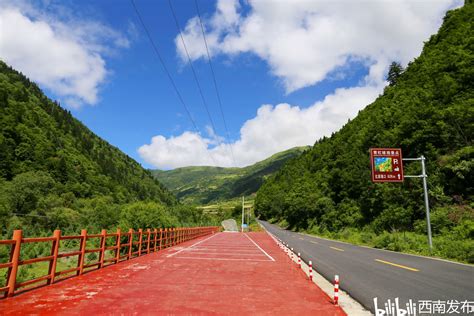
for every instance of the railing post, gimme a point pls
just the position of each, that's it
(140, 235)
(54, 253)
(130, 243)
(117, 244)
(155, 238)
(166, 238)
(161, 238)
(169, 238)
(82, 255)
(103, 239)
(148, 232)
(171, 232)
(14, 259)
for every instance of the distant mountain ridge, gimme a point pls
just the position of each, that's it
(203, 185)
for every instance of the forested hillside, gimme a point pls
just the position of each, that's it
(56, 173)
(427, 110)
(202, 185)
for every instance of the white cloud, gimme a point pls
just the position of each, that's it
(274, 129)
(65, 55)
(303, 42)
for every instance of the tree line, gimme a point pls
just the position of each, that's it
(428, 109)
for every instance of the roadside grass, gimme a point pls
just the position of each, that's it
(36, 270)
(255, 227)
(453, 245)
(444, 246)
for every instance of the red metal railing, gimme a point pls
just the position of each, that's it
(137, 243)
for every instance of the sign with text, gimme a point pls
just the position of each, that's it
(387, 165)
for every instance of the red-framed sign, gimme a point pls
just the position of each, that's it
(387, 164)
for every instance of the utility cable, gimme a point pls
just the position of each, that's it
(214, 80)
(191, 65)
(165, 69)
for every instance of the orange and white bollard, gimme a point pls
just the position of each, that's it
(291, 254)
(310, 270)
(336, 290)
(299, 260)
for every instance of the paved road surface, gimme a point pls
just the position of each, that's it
(226, 273)
(367, 273)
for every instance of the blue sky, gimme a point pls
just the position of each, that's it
(287, 73)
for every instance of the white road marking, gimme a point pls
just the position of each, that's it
(223, 250)
(227, 247)
(168, 256)
(226, 259)
(225, 253)
(271, 258)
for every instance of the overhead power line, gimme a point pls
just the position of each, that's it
(178, 26)
(214, 80)
(192, 66)
(165, 69)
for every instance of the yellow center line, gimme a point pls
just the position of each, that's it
(314, 242)
(397, 265)
(338, 249)
(301, 238)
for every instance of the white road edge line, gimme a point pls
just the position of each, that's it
(224, 259)
(271, 258)
(171, 255)
(253, 252)
(347, 303)
(386, 250)
(226, 256)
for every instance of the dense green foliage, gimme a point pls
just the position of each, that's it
(429, 110)
(394, 73)
(203, 185)
(56, 173)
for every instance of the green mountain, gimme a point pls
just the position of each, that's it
(54, 172)
(428, 109)
(203, 185)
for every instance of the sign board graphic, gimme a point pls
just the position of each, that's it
(387, 165)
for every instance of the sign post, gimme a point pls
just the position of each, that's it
(243, 213)
(424, 176)
(387, 166)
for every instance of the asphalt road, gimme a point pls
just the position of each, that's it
(366, 273)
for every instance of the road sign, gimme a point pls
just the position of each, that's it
(387, 164)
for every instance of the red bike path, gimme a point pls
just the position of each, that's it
(224, 273)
